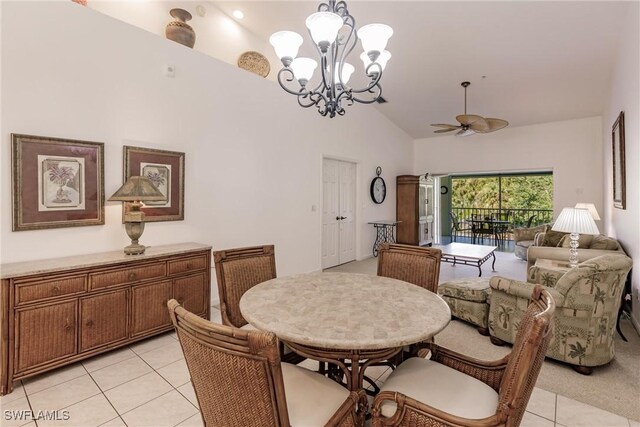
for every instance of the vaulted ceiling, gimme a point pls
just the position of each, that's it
(528, 62)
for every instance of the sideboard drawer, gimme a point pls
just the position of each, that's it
(186, 265)
(54, 288)
(126, 275)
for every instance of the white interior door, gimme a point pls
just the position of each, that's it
(338, 212)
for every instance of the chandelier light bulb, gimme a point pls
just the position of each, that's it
(303, 69)
(286, 45)
(324, 27)
(374, 37)
(347, 70)
(382, 60)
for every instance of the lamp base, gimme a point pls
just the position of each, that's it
(134, 249)
(573, 252)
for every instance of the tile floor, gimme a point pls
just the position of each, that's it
(147, 384)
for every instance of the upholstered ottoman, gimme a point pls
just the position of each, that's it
(468, 300)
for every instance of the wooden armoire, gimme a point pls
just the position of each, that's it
(414, 207)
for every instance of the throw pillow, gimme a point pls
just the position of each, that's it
(584, 241)
(552, 238)
(604, 242)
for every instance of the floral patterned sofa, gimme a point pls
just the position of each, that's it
(587, 301)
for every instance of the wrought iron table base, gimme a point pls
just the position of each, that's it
(469, 261)
(384, 234)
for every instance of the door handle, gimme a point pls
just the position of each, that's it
(343, 217)
(338, 218)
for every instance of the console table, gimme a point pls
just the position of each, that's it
(384, 233)
(57, 311)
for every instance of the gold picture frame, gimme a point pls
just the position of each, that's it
(619, 166)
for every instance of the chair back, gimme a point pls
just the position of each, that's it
(530, 221)
(525, 361)
(413, 264)
(455, 224)
(237, 271)
(236, 374)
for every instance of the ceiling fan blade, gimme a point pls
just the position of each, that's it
(444, 125)
(465, 132)
(443, 130)
(497, 124)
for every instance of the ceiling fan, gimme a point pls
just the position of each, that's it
(471, 123)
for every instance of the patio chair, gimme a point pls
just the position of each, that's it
(454, 389)
(413, 264)
(239, 379)
(530, 221)
(457, 226)
(237, 271)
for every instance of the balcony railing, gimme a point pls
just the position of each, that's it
(517, 218)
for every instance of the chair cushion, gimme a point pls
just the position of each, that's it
(524, 243)
(470, 289)
(312, 399)
(604, 242)
(442, 388)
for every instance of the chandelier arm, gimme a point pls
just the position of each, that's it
(341, 8)
(281, 73)
(376, 90)
(324, 7)
(350, 22)
(375, 78)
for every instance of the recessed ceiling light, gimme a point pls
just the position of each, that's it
(238, 14)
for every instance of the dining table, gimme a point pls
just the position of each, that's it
(349, 320)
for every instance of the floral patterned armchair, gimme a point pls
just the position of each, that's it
(587, 297)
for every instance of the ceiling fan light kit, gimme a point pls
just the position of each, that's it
(333, 32)
(471, 123)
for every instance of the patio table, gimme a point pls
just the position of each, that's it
(496, 227)
(331, 317)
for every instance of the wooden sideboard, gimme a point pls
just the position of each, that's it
(57, 311)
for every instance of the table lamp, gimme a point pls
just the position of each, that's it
(136, 190)
(575, 221)
(591, 208)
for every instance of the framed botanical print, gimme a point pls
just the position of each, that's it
(165, 169)
(619, 167)
(56, 182)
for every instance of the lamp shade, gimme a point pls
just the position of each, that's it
(286, 43)
(303, 68)
(384, 57)
(375, 37)
(591, 208)
(137, 189)
(347, 70)
(572, 220)
(324, 26)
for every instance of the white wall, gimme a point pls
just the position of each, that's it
(253, 156)
(572, 149)
(624, 96)
(217, 34)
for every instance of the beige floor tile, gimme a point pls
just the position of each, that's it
(111, 358)
(572, 413)
(216, 317)
(634, 423)
(116, 422)
(167, 410)
(174, 335)
(63, 395)
(187, 391)
(195, 421)
(55, 377)
(137, 392)
(164, 355)
(542, 403)
(17, 393)
(176, 373)
(16, 413)
(151, 343)
(532, 420)
(382, 378)
(91, 412)
(121, 372)
(374, 372)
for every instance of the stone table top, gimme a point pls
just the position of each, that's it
(345, 311)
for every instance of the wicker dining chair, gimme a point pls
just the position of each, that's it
(239, 379)
(237, 271)
(452, 389)
(413, 264)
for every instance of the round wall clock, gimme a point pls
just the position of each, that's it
(444, 189)
(378, 187)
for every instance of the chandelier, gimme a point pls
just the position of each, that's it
(333, 31)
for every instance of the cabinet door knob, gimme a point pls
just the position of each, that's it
(189, 266)
(67, 327)
(55, 290)
(132, 276)
(180, 301)
(89, 323)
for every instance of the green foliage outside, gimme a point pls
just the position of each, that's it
(518, 192)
